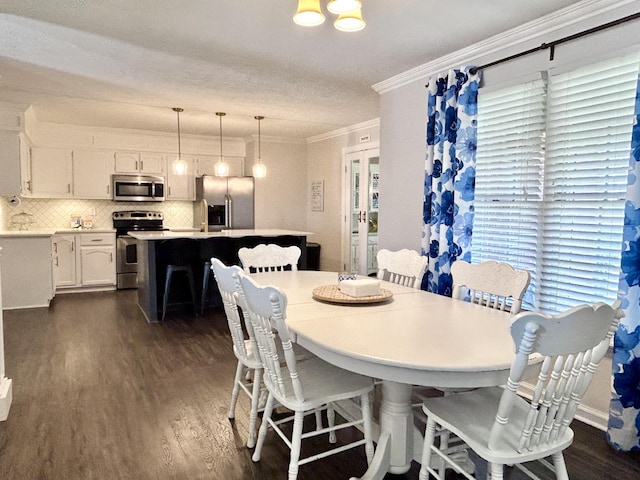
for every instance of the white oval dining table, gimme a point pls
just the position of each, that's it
(414, 338)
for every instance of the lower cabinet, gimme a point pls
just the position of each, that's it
(83, 260)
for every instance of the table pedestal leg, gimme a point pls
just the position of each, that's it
(394, 450)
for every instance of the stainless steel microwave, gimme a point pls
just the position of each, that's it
(138, 188)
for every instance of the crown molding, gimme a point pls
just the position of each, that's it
(273, 139)
(345, 131)
(494, 47)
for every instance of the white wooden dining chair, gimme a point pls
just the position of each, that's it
(404, 267)
(492, 284)
(302, 387)
(505, 429)
(269, 257)
(245, 350)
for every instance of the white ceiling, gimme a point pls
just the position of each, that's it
(125, 63)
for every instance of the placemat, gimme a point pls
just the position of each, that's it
(332, 293)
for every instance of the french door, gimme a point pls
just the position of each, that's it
(362, 177)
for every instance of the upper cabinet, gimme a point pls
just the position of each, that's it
(10, 162)
(92, 172)
(180, 184)
(51, 172)
(205, 165)
(146, 163)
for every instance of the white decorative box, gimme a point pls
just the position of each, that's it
(360, 288)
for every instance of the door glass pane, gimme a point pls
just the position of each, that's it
(373, 176)
(354, 212)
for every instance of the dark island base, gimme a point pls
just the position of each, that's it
(155, 255)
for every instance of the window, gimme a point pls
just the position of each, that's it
(551, 180)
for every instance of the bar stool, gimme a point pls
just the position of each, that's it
(221, 248)
(178, 253)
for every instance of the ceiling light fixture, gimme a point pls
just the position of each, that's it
(259, 169)
(350, 21)
(349, 14)
(308, 13)
(179, 165)
(343, 6)
(222, 168)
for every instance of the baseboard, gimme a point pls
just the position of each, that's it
(585, 414)
(6, 395)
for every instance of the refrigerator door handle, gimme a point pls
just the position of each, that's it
(227, 211)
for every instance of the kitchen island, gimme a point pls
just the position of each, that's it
(155, 250)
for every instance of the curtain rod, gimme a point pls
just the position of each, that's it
(553, 44)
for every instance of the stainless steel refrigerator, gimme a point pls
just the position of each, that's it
(224, 203)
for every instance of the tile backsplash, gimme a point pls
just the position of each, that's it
(56, 213)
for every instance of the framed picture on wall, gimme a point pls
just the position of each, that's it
(317, 196)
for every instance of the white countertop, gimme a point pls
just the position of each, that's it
(48, 232)
(166, 235)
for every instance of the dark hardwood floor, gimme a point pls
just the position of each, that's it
(100, 394)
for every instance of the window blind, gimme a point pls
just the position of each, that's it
(589, 122)
(509, 178)
(551, 181)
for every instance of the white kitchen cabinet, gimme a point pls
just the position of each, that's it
(6, 390)
(25, 167)
(92, 170)
(10, 161)
(64, 260)
(143, 163)
(27, 278)
(180, 185)
(82, 260)
(205, 165)
(97, 259)
(51, 172)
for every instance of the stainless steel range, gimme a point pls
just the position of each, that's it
(126, 246)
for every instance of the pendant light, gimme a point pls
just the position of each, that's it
(309, 13)
(343, 6)
(222, 168)
(179, 166)
(259, 169)
(350, 21)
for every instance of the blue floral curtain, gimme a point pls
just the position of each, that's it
(624, 413)
(450, 174)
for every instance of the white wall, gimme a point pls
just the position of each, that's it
(280, 195)
(403, 99)
(324, 163)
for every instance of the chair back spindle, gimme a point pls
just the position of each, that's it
(403, 267)
(491, 284)
(269, 257)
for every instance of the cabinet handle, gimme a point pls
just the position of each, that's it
(68, 188)
(29, 185)
(108, 189)
(57, 264)
(136, 164)
(111, 257)
(364, 217)
(359, 216)
(141, 164)
(97, 239)
(73, 247)
(55, 248)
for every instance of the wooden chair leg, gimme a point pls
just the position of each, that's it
(560, 467)
(266, 416)
(235, 391)
(429, 438)
(331, 420)
(253, 413)
(365, 405)
(296, 442)
(497, 471)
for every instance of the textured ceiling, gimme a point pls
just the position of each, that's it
(124, 63)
